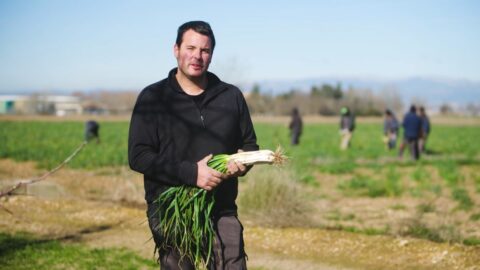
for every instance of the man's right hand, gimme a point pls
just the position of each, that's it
(207, 178)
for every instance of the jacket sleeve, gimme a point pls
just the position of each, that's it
(145, 152)
(249, 138)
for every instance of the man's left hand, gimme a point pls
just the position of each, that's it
(235, 169)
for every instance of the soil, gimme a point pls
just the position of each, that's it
(105, 208)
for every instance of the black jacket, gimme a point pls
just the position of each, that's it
(347, 121)
(169, 134)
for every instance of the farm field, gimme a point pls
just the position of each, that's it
(326, 201)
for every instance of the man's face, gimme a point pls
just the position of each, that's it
(194, 54)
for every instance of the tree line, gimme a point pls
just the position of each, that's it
(325, 99)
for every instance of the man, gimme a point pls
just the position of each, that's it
(347, 125)
(412, 125)
(295, 126)
(91, 131)
(390, 129)
(176, 126)
(422, 142)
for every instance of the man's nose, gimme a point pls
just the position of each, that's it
(197, 54)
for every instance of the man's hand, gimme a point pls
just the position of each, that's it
(207, 178)
(235, 169)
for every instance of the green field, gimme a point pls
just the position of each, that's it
(49, 143)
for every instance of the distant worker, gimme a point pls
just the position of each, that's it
(390, 129)
(296, 126)
(91, 131)
(347, 125)
(412, 128)
(422, 142)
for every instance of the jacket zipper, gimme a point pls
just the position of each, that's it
(202, 119)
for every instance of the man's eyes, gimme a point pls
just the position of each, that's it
(202, 50)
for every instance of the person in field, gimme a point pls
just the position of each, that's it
(347, 126)
(176, 126)
(422, 142)
(412, 128)
(390, 129)
(91, 131)
(295, 126)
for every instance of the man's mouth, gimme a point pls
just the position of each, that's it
(196, 66)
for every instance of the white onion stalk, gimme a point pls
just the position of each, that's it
(254, 157)
(185, 212)
(220, 162)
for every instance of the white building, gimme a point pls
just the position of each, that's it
(40, 104)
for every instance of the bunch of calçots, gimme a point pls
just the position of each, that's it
(185, 211)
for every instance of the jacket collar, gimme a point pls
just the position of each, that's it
(214, 85)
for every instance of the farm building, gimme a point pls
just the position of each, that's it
(59, 105)
(14, 104)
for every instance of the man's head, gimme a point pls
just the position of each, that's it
(193, 49)
(413, 109)
(422, 110)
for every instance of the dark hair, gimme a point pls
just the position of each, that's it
(200, 27)
(388, 112)
(413, 109)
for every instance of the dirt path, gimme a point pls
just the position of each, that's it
(94, 214)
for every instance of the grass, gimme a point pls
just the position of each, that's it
(449, 172)
(398, 207)
(471, 241)
(475, 217)
(336, 215)
(476, 182)
(420, 230)
(26, 252)
(366, 231)
(360, 185)
(422, 177)
(426, 208)
(49, 143)
(461, 196)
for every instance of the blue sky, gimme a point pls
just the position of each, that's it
(126, 45)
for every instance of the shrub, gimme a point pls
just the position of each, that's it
(272, 197)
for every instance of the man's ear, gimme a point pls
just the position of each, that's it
(175, 50)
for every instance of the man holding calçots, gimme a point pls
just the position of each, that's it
(177, 124)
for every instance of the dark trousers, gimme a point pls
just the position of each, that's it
(295, 138)
(228, 249)
(412, 144)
